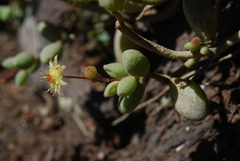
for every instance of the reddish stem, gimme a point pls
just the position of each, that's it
(97, 78)
(74, 77)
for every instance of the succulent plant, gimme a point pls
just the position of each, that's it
(8, 63)
(202, 17)
(189, 99)
(115, 70)
(111, 89)
(126, 86)
(129, 103)
(23, 60)
(135, 63)
(21, 77)
(50, 51)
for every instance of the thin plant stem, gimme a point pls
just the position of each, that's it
(188, 65)
(75, 77)
(163, 51)
(147, 44)
(97, 78)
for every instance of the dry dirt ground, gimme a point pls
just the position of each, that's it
(34, 126)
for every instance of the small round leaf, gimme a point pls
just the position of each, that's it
(21, 77)
(126, 86)
(129, 103)
(8, 63)
(50, 51)
(115, 70)
(111, 89)
(23, 60)
(189, 99)
(135, 63)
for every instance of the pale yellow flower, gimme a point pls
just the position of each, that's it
(54, 77)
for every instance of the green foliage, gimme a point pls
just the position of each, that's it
(202, 17)
(129, 103)
(128, 77)
(23, 60)
(5, 13)
(111, 89)
(190, 46)
(135, 63)
(21, 77)
(115, 70)
(34, 66)
(189, 99)
(50, 51)
(126, 86)
(8, 63)
(204, 50)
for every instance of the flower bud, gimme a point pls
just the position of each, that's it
(23, 60)
(50, 51)
(90, 72)
(8, 63)
(112, 5)
(196, 41)
(204, 50)
(111, 89)
(189, 99)
(129, 103)
(126, 86)
(135, 63)
(21, 77)
(115, 70)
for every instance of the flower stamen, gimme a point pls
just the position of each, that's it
(54, 77)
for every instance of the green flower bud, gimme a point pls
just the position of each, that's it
(49, 31)
(21, 77)
(204, 50)
(5, 13)
(50, 51)
(111, 89)
(129, 103)
(202, 17)
(23, 60)
(112, 5)
(34, 66)
(90, 72)
(126, 86)
(196, 41)
(8, 63)
(135, 63)
(190, 46)
(115, 70)
(189, 99)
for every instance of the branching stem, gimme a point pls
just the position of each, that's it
(149, 45)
